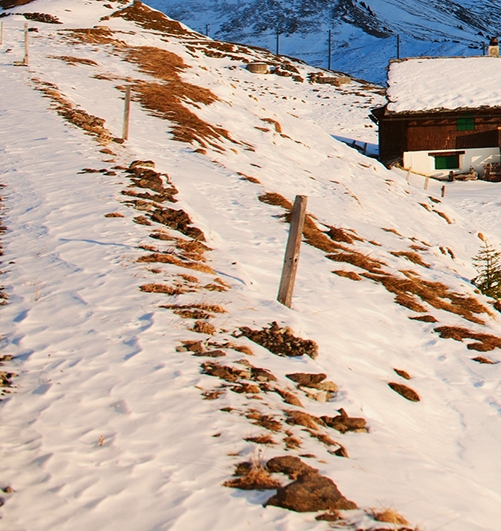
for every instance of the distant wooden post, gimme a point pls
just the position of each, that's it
(291, 259)
(125, 130)
(398, 46)
(26, 50)
(408, 178)
(1, 32)
(278, 42)
(443, 191)
(329, 62)
(426, 183)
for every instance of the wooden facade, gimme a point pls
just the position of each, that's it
(436, 130)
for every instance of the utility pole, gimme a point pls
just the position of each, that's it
(329, 62)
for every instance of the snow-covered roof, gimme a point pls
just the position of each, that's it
(445, 83)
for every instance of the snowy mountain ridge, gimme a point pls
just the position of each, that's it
(363, 33)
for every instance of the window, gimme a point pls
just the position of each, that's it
(466, 123)
(447, 162)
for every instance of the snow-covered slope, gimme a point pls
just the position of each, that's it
(135, 289)
(363, 32)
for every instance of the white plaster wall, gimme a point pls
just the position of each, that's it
(421, 162)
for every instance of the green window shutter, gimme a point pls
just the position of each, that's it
(447, 162)
(466, 123)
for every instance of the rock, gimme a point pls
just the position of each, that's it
(302, 419)
(328, 386)
(289, 465)
(306, 379)
(344, 423)
(310, 493)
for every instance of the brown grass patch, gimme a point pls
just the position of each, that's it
(265, 421)
(114, 215)
(292, 442)
(276, 125)
(213, 394)
(342, 235)
(162, 288)
(358, 259)
(405, 391)
(424, 318)
(412, 257)
(393, 231)
(203, 327)
(484, 342)
(403, 374)
(152, 20)
(248, 178)
(74, 60)
(444, 216)
(91, 125)
(253, 477)
(168, 258)
(347, 274)
(435, 294)
(261, 439)
(168, 99)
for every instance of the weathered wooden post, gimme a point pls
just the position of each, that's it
(291, 259)
(426, 183)
(125, 130)
(398, 45)
(443, 191)
(26, 50)
(329, 62)
(408, 178)
(1, 32)
(278, 42)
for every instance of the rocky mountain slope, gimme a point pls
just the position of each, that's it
(363, 32)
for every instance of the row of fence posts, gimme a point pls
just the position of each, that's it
(25, 62)
(426, 183)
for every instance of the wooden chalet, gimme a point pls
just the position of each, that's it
(443, 115)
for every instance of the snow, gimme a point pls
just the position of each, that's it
(445, 83)
(106, 426)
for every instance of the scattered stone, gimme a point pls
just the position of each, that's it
(230, 374)
(288, 398)
(403, 374)
(344, 423)
(211, 353)
(307, 379)
(300, 418)
(309, 492)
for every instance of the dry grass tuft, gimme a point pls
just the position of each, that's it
(348, 274)
(265, 421)
(248, 178)
(253, 476)
(425, 318)
(114, 215)
(203, 327)
(261, 439)
(74, 60)
(388, 515)
(393, 231)
(484, 342)
(167, 258)
(163, 288)
(405, 391)
(412, 257)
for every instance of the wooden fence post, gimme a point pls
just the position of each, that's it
(291, 259)
(408, 178)
(426, 183)
(26, 50)
(443, 191)
(1, 32)
(125, 130)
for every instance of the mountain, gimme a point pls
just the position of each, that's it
(364, 33)
(150, 379)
